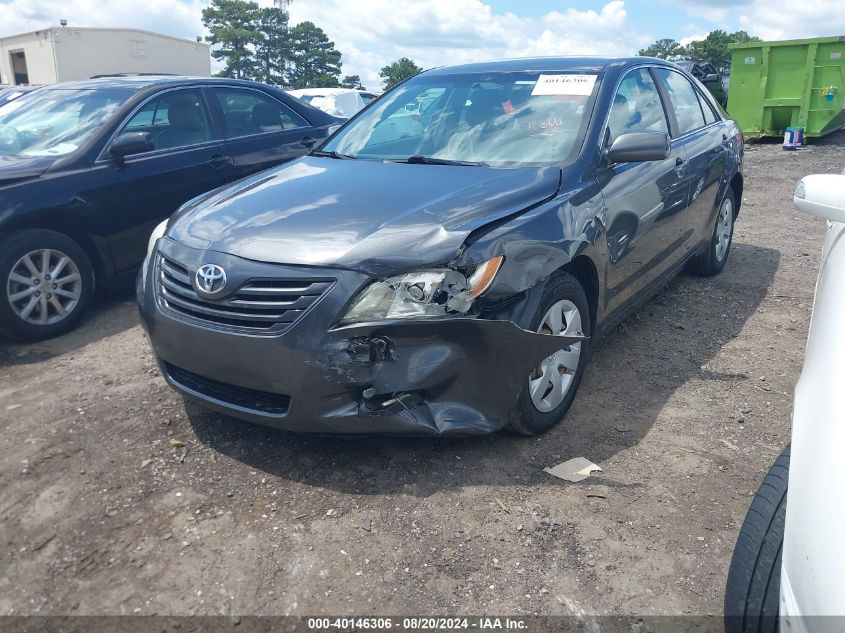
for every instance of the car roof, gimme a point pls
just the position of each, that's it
(139, 82)
(588, 64)
(321, 92)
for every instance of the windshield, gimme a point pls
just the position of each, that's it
(501, 119)
(55, 122)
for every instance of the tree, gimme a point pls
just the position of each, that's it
(316, 62)
(352, 81)
(273, 46)
(234, 29)
(667, 48)
(400, 70)
(714, 47)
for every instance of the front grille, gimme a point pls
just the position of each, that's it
(252, 399)
(261, 305)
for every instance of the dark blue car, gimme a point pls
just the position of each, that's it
(442, 263)
(88, 168)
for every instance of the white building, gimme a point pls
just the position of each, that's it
(69, 53)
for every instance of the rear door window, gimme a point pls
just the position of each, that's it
(636, 106)
(683, 98)
(247, 112)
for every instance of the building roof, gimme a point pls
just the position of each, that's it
(95, 28)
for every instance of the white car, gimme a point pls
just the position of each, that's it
(788, 567)
(339, 102)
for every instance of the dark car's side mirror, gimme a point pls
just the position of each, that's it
(131, 143)
(638, 146)
(712, 78)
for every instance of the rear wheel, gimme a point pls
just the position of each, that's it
(550, 387)
(47, 284)
(752, 595)
(713, 260)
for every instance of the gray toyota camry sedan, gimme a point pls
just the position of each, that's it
(442, 263)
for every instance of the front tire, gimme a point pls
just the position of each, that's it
(713, 260)
(552, 385)
(46, 285)
(752, 595)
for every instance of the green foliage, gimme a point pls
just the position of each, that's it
(713, 48)
(233, 25)
(667, 48)
(352, 81)
(316, 62)
(273, 47)
(400, 70)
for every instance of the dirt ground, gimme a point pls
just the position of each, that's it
(685, 406)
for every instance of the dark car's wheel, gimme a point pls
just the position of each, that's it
(752, 594)
(713, 260)
(47, 284)
(550, 387)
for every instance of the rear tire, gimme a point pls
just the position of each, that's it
(526, 418)
(752, 595)
(713, 260)
(46, 285)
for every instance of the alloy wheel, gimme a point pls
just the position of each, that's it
(724, 229)
(44, 287)
(551, 380)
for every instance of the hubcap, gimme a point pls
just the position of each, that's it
(44, 287)
(549, 382)
(724, 229)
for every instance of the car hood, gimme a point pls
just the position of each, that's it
(14, 168)
(370, 216)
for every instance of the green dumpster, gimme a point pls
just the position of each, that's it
(793, 83)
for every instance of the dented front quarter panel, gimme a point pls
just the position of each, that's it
(541, 241)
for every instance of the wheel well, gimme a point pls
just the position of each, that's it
(736, 185)
(78, 236)
(583, 269)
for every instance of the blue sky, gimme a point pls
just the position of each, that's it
(371, 33)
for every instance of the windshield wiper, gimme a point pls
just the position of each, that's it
(331, 154)
(430, 160)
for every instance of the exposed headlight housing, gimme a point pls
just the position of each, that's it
(800, 190)
(157, 233)
(424, 294)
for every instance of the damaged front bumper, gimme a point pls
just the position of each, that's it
(451, 376)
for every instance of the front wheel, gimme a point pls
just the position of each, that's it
(550, 387)
(713, 260)
(752, 594)
(47, 285)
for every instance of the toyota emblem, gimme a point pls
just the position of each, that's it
(211, 278)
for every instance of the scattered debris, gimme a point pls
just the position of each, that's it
(12, 407)
(146, 463)
(366, 524)
(729, 444)
(176, 443)
(573, 470)
(502, 505)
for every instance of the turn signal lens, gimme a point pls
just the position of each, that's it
(483, 276)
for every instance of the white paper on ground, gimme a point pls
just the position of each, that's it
(569, 85)
(573, 470)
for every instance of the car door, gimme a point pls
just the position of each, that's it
(642, 199)
(261, 131)
(187, 157)
(703, 136)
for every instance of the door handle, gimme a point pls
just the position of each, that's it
(218, 161)
(307, 141)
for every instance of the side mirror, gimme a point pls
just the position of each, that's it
(822, 195)
(639, 146)
(712, 78)
(131, 143)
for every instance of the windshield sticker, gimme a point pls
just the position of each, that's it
(569, 85)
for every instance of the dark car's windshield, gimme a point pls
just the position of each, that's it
(55, 121)
(502, 119)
